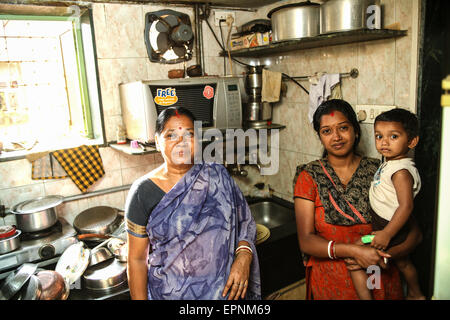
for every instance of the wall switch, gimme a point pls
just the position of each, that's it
(222, 15)
(367, 113)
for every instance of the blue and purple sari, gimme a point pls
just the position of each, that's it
(194, 232)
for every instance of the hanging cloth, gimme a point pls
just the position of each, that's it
(83, 165)
(45, 167)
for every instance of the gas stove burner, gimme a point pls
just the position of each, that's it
(43, 247)
(56, 228)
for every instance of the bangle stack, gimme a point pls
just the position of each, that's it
(243, 248)
(332, 250)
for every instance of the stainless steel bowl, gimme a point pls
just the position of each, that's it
(11, 243)
(99, 255)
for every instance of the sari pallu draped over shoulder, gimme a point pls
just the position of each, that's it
(194, 232)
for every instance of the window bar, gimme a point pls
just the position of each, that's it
(87, 116)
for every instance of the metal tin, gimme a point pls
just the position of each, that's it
(295, 21)
(11, 243)
(345, 15)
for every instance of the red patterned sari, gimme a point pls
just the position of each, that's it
(328, 279)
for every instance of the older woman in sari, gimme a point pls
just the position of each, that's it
(190, 231)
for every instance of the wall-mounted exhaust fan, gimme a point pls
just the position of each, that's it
(168, 36)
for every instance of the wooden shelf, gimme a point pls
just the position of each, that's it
(323, 40)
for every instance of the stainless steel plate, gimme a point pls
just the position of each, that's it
(15, 281)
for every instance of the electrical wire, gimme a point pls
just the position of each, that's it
(296, 82)
(246, 64)
(223, 45)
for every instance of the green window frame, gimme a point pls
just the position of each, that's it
(82, 76)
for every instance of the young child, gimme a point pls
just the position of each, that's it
(392, 193)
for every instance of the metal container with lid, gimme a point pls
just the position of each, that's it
(106, 275)
(9, 239)
(37, 214)
(295, 21)
(345, 15)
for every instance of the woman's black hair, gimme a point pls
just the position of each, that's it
(407, 119)
(168, 113)
(346, 109)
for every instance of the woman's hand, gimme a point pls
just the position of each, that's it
(238, 278)
(367, 256)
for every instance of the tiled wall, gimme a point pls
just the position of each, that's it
(387, 69)
(384, 66)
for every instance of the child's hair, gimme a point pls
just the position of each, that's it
(407, 119)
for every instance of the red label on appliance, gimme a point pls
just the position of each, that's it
(208, 92)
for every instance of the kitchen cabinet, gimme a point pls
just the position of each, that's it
(323, 40)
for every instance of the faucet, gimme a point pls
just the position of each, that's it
(236, 170)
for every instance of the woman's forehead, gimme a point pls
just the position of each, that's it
(333, 118)
(178, 122)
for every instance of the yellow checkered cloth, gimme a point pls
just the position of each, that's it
(83, 165)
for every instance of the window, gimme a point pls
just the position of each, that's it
(49, 93)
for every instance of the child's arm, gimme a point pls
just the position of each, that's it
(403, 183)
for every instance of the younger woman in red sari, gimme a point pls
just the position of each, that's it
(332, 212)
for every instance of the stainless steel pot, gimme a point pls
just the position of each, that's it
(37, 214)
(344, 15)
(295, 21)
(10, 243)
(106, 275)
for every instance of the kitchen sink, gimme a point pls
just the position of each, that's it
(271, 214)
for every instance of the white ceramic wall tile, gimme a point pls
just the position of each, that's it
(112, 72)
(403, 61)
(16, 173)
(115, 200)
(63, 187)
(111, 124)
(110, 159)
(376, 64)
(68, 210)
(124, 31)
(131, 174)
(403, 13)
(109, 180)
(134, 161)
(12, 196)
(100, 30)
(387, 12)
